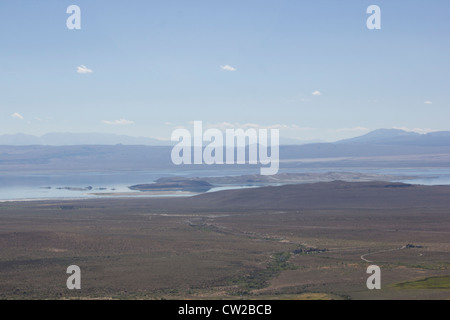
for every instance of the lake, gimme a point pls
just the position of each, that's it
(51, 186)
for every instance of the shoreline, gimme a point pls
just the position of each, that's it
(94, 196)
(144, 193)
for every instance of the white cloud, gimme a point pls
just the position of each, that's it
(120, 122)
(17, 116)
(354, 129)
(229, 125)
(221, 125)
(83, 69)
(428, 102)
(316, 93)
(164, 139)
(416, 130)
(228, 68)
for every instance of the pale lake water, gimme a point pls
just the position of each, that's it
(39, 186)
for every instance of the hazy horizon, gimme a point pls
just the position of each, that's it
(56, 138)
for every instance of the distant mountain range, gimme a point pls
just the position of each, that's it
(380, 136)
(66, 139)
(378, 143)
(387, 148)
(71, 139)
(401, 137)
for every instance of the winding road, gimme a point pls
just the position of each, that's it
(366, 254)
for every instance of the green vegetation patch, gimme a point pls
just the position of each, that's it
(427, 283)
(259, 279)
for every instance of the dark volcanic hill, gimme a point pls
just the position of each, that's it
(328, 195)
(363, 196)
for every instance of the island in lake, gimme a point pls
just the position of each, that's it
(204, 184)
(175, 184)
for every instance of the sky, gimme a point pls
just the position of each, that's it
(311, 69)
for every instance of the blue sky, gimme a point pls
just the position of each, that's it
(310, 68)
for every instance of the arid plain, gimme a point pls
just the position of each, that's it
(307, 241)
